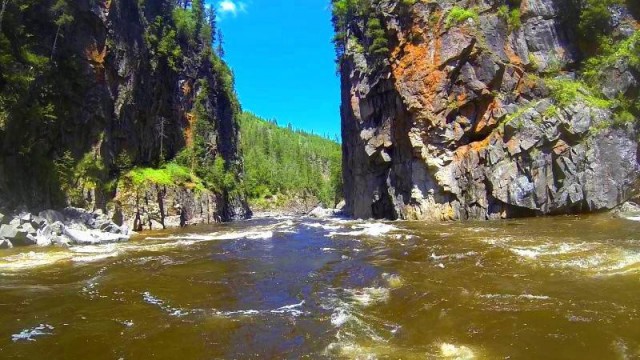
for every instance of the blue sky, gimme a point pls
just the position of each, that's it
(283, 60)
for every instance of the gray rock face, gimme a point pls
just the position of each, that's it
(154, 207)
(460, 124)
(123, 102)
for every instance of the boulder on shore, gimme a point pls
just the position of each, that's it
(321, 213)
(5, 244)
(51, 227)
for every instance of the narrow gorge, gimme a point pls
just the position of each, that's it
(481, 204)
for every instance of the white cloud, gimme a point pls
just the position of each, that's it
(232, 7)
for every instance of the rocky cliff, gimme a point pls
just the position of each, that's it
(487, 109)
(91, 90)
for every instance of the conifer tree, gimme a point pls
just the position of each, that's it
(220, 44)
(212, 20)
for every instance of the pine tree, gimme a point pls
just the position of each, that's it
(198, 13)
(220, 44)
(212, 20)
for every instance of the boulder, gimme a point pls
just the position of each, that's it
(56, 228)
(8, 231)
(79, 216)
(28, 228)
(25, 217)
(80, 237)
(52, 216)
(17, 234)
(2, 217)
(38, 222)
(61, 240)
(29, 240)
(5, 244)
(320, 212)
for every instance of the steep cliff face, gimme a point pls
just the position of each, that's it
(487, 109)
(110, 85)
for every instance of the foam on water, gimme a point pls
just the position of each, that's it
(31, 334)
(150, 299)
(595, 258)
(510, 296)
(458, 256)
(367, 229)
(327, 227)
(95, 253)
(32, 259)
(368, 296)
(600, 259)
(394, 281)
(292, 310)
(457, 352)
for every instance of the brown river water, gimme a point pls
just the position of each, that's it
(289, 288)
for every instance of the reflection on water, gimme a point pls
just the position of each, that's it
(561, 288)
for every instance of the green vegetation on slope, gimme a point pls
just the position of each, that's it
(376, 42)
(289, 163)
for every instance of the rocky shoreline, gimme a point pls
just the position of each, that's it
(71, 226)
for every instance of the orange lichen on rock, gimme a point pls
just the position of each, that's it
(514, 59)
(416, 70)
(96, 56)
(188, 130)
(462, 152)
(485, 117)
(186, 88)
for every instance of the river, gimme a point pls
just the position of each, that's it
(289, 288)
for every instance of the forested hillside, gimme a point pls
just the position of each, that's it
(283, 165)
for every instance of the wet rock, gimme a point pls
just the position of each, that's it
(627, 210)
(62, 241)
(19, 235)
(80, 237)
(5, 244)
(321, 213)
(86, 237)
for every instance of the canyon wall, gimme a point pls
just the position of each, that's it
(456, 110)
(91, 89)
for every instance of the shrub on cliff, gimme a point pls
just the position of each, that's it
(458, 15)
(378, 43)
